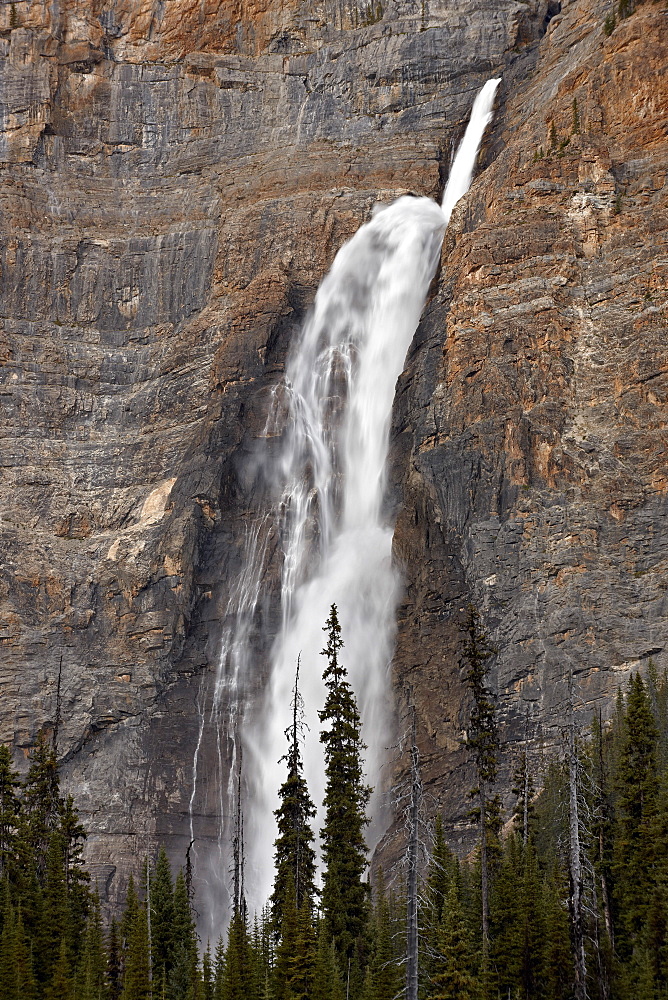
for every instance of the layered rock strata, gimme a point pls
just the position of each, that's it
(175, 179)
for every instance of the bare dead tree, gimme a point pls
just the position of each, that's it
(408, 799)
(412, 932)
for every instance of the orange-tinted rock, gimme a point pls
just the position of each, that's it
(175, 178)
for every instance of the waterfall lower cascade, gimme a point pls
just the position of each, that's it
(327, 443)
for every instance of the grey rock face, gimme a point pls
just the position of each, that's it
(171, 193)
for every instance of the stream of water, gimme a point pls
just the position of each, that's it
(328, 425)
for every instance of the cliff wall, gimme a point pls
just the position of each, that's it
(175, 178)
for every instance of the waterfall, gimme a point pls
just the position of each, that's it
(327, 436)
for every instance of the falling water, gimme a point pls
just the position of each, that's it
(331, 415)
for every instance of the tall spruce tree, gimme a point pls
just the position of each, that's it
(92, 973)
(295, 955)
(483, 743)
(294, 856)
(162, 917)
(183, 975)
(42, 804)
(114, 968)
(134, 928)
(60, 985)
(235, 967)
(345, 897)
(637, 787)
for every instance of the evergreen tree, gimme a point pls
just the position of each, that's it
(162, 917)
(76, 878)
(136, 972)
(294, 857)
(555, 961)
(60, 986)
(42, 806)
(219, 970)
(453, 976)
(442, 873)
(9, 812)
(55, 925)
(518, 920)
(8, 965)
(182, 978)
(344, 894)
(384, 979)
(91, 977)
(483, 742)
(295, 955)
(26, 983)
(208, 980)
(637, 788)
(236, 980)
(327, 979)
(114, 964)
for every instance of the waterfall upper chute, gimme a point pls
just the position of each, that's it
(463, 165)
(327, 476)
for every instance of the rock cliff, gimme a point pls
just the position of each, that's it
(175, 179)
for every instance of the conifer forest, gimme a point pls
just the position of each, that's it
(333, 499)
(566, 899)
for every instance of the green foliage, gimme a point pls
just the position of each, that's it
(114, 968)
(92, 972)
(345, 897)
(162, 917)
(296, 954)
(53, 947)
(453, 975)
(327, 979)
(637, 787)
(9, 812)
(553, 139)
(182, 976)
(236, 967)
(60, 985)
(294, 856)
(482, 738)
(384, 975)
(483, 743)
(575, 119)
(136, 975)
(610, 23)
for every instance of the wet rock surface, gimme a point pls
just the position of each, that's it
(172, 188)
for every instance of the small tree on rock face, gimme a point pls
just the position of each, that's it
(345, 899)
(483, 742)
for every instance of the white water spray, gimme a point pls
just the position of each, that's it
(332, 413)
